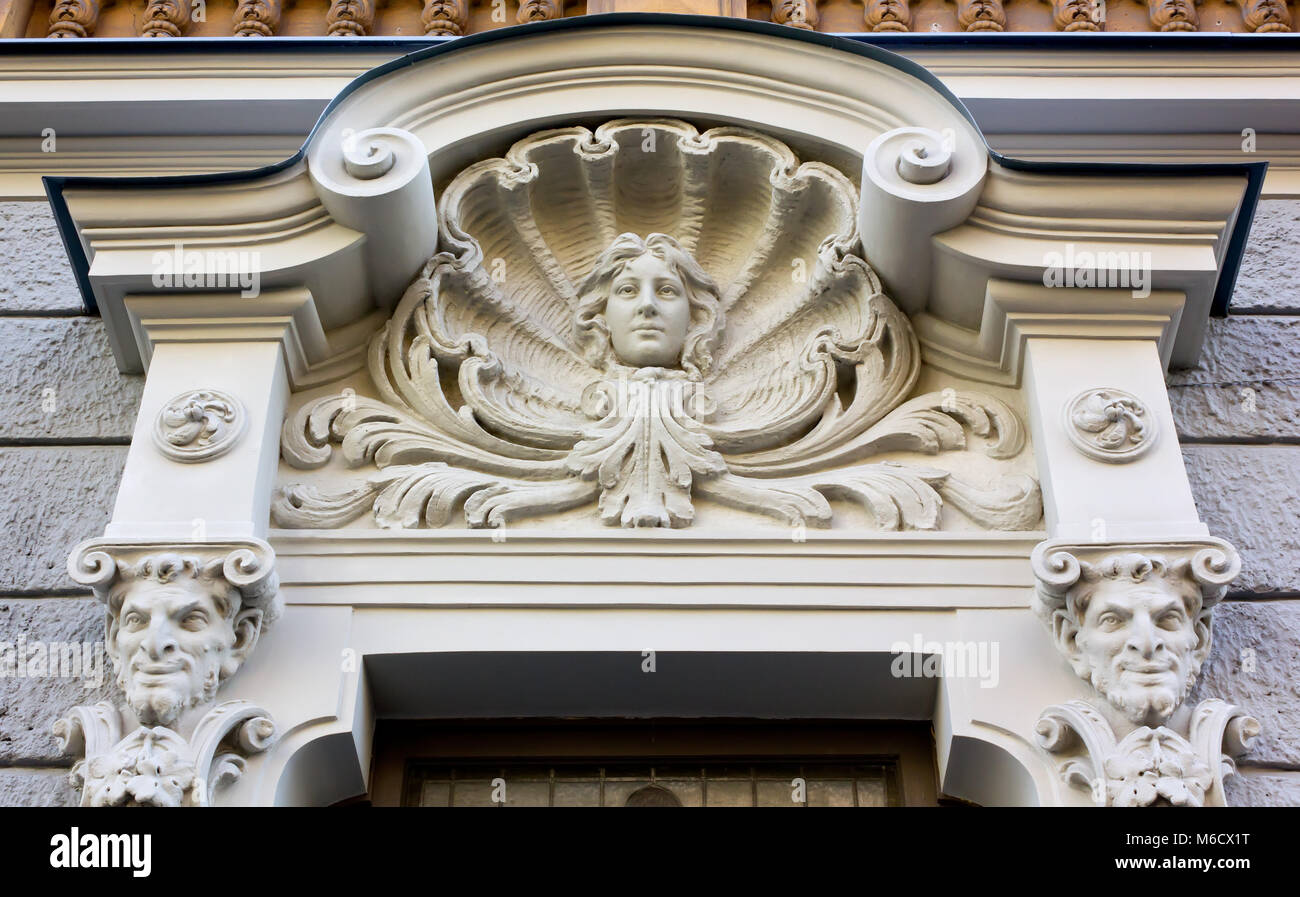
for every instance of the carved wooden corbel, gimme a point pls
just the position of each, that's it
(887, 15)
(449, 17)
(801, 14)
(350, 18)
(74, 18)
(1174, 15)
(1077, 15)
(1266, 16)
(981, 15)
(166, 18)
(539, 11)
(257, 18)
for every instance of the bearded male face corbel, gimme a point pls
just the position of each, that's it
(1135, 626)
(179, 623)
(176, 631)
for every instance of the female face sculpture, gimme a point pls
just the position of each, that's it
(649, 304)
(647, 314)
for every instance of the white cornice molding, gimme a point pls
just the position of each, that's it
(1139, 106)
(489, 94)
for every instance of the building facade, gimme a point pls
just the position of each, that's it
(646, 409)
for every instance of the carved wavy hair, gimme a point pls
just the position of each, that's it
(591, 329)
(167, 568)
(1134, 568)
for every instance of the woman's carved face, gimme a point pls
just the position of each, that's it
(648, 313)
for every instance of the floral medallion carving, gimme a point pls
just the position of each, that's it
(1134, 622)
(636, 318)
(1110, 425)
(199, 425)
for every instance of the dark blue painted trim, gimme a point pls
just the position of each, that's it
(861, 45)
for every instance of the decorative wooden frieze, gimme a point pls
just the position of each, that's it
(634, 372)
(74, 18)
(350, 18)
(182, 619)
(1134, 622)
(449, 17)
(1110, 425)
(257, 18)
(1266, 16)
(1173, 15)
(801, 14)
(165, 18)
(981, 15)
(887, 15)
(539, 11)
(1077, 15)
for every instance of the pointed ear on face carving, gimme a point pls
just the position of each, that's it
(1065, 632)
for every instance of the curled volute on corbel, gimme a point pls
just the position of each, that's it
(887, 15)
(449, 17)
(539, 11)
(1077, 15)
(981, 15)
(74, 18)
(1174, 15)
(1266, 16)
(257, 18)
(166, 18)
(801, 14)
(350, 18)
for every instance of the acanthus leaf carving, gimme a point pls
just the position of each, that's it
(554, 357)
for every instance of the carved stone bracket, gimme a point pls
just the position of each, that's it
(800, 14)
(1110, 425)
(155, 766)
(257, 18)
(350, 18)
(981, 15)
(1266, 16)
(1174, 15)
(539, 11)
(1077, 15)
(448, 17)
(1134, 622)
(165, 18)
(74, 18)
(199, 425)
(887, 15)
(181, 621)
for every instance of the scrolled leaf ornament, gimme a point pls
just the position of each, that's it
(199, 425)
(1110, 424)
(636, 318)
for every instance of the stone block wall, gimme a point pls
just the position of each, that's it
(66, 416)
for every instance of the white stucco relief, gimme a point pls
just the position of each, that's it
(638, 317)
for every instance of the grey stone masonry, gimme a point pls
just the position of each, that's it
(36, 276)
(1269, 280)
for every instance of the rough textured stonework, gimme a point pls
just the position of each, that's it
(1248, 494)
(36, 788)
(30, 705)
(1269, 280)
(54, 497)
(1264, 788)
(1255, 662)
(58, 381)
(37, 275)
(1247, 384)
